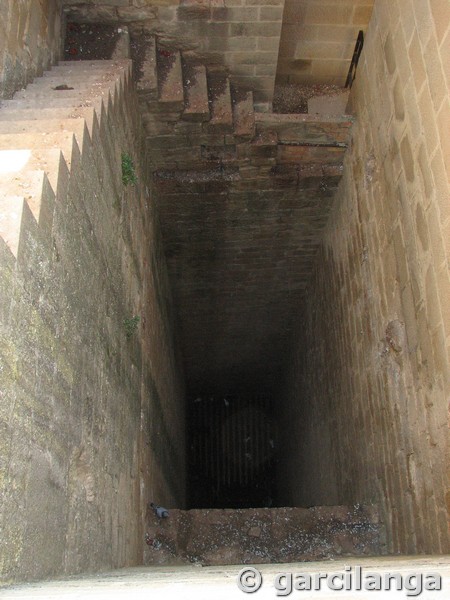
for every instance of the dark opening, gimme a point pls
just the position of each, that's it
(231, 451)
(90, 41)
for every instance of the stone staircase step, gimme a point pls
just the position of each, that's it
(43, 103)
(196, 93)
(87, 64)
(243, 114)
(76, 68)
(13, 209)
(33, 140)
(38, 103)
(35, 188)
(88, 89)
(333, 105)
(40, 125)
(147, 78)
(220, 104)
(102, 70)
(62, 141)
(309, 155)
(170, 78)
(30, 114)
(57, 72)
(43, 134)
(45, 126)
(17, 163)
(31, 208)
(80, 69)
(306, 129)
(64, 83)
(15, 118)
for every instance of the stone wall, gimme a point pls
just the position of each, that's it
(91, 417)
(318, 39)
(368, 387)
(243, 204)
(30, 40)
(243, 35)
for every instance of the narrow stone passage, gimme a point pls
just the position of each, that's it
(238, 314)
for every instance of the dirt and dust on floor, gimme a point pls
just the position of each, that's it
(291, 98)
(262, 535)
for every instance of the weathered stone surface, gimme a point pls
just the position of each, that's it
(133, 13)
(143, 54)
(170, 78)
(310, 154)
(318, 39)
(221, 108)
(30, 34)
(335, 105)
(242, 235)
(86, 13)
(243, 115)
(370, 358)
(196, 93)
(306, 129)
(91, 415)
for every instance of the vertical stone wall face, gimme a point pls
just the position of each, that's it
(91, 415)
(244, 34)
(318, 39)
(30, 40)
(369, 379)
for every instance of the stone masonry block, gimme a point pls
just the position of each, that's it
(271, 13)
(265, 70)
(440, 10)
(255, 29)
(428, 119)
(132, 14)
(194, 12)
(443, 124)
(114, 2)
(417, 62)
(250, 58)
(435, 73)
(362, 14)
(268, 44)
(308, 50)
(264, 2)
(335, 70)
(389, 54)
(237, 44)
(237, 14)
(323, 13)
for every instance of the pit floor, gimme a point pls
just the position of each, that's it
(219, 583)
